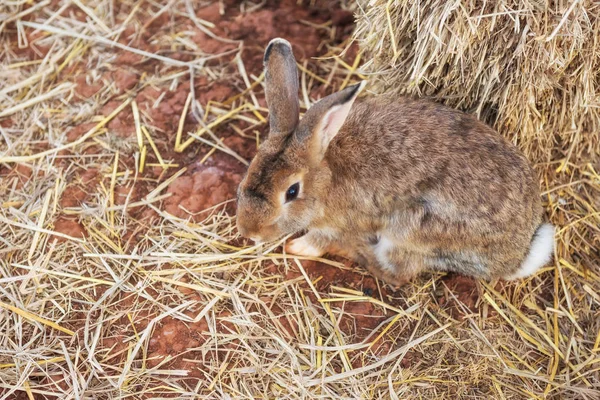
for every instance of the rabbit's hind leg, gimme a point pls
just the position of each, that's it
(463, 262)
(392, 264)
(395, 280)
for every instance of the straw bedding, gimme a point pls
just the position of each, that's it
(124, 130)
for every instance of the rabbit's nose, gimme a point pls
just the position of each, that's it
(247, 233)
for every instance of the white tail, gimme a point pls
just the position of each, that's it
(540, 252)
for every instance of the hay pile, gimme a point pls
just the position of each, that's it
(530, 68)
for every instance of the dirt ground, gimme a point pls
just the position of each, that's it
(187, 349)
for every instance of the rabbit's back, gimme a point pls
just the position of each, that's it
(439, 174)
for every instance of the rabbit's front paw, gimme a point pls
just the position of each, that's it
(303, 247)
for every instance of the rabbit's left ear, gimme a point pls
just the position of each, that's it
(323, 121)
(281, 87)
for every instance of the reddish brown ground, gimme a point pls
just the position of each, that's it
(459, 293)
(202, 186)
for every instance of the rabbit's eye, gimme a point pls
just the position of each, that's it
(292, 192)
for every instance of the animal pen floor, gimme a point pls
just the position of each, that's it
(125, 128)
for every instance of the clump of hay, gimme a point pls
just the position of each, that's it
(530, 68)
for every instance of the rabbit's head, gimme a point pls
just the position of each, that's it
(281, 192)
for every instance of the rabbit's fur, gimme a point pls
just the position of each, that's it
(397, 184)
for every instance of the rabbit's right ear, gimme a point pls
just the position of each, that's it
(281, 82)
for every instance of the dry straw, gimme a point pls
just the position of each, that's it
(70, 307)
(530, 68)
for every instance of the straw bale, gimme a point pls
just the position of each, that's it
(530, 68)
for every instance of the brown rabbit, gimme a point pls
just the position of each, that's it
(397, 184)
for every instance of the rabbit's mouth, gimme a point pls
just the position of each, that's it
(260, 234)
(271, 234)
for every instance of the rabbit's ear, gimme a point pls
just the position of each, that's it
(324, 119)
(281, 86)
